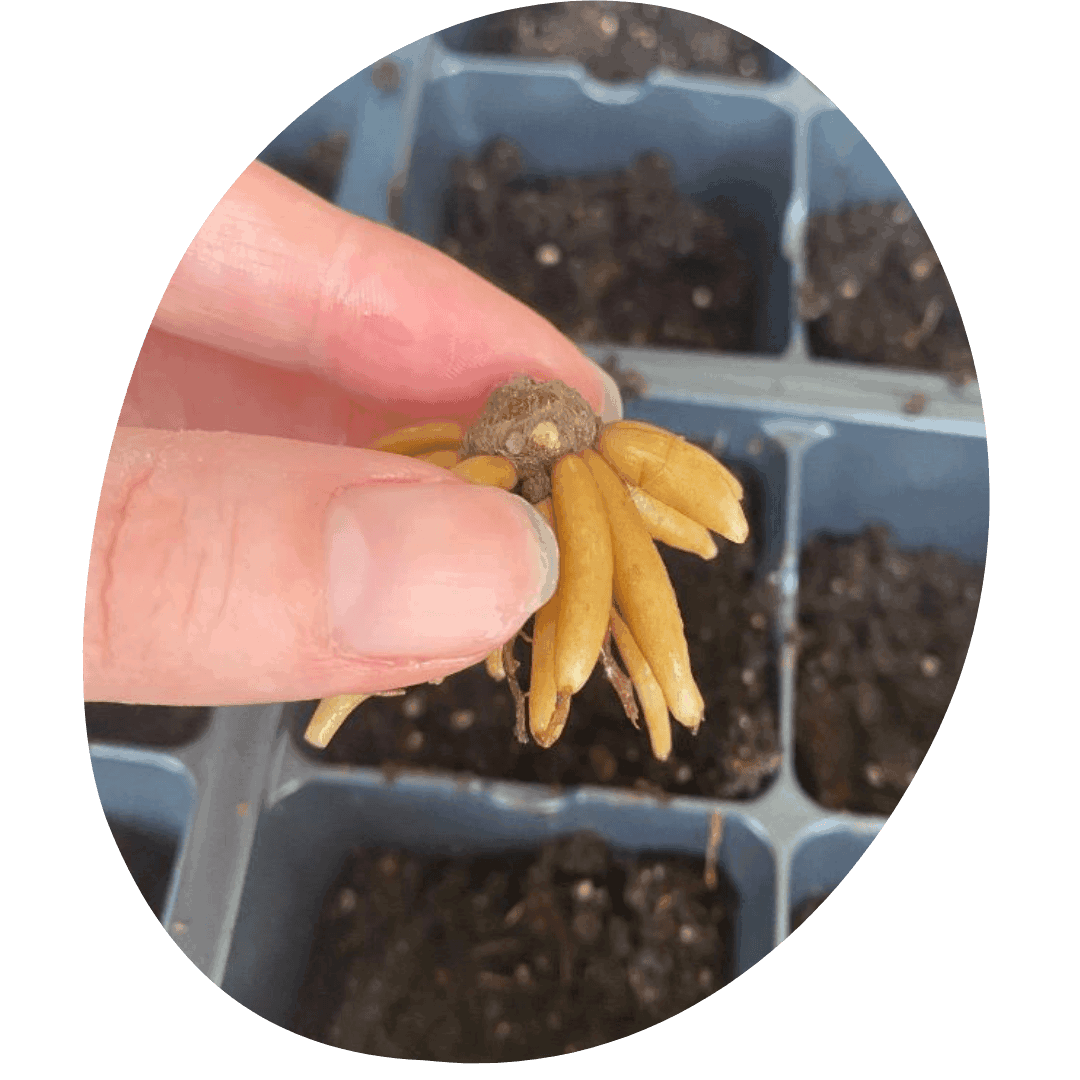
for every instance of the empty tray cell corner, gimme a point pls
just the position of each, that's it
(845, 171)
(148, 799)
(820, 863)
(932, 488)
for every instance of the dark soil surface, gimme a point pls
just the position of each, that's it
(467, 722)
(876, 293)
(801, 912)
(319, 170)
(621, 258)
(144, 725)
(149, 858)
(618, 41)
(884, 633)
(511, 957)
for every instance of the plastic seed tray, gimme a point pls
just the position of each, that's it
(261, 828)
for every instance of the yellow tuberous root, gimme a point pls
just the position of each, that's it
(329, 715)
(644, 425)
(645, 597)
(585, 573)
(421, 438)
(487, 469)
(545, 510)
(679, 474)
(667, 525)
(649, 693)
(445, 459)
(548, 709)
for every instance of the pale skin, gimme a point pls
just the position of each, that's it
(247, 547)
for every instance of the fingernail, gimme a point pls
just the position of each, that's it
(433, 571)
(612, 409)
(548, 548)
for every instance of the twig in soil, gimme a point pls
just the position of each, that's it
(554, 920)
(510, 666)
(620, 680)
(712, 846)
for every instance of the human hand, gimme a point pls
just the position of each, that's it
(246, 549)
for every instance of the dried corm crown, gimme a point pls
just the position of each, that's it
(609, 491)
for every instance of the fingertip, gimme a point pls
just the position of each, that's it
(611, 408)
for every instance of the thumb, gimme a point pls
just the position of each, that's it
(233, 569)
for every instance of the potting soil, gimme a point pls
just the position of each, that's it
(620, 41)
(883, 636)
(513, 956)
(145, 725)
(621, 258)
(876, 293)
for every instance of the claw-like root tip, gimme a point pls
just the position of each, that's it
(677, 473)
(495, 666)
(328, 717)
(550, 735)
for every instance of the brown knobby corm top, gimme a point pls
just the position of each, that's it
(533, 424)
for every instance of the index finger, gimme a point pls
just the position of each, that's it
(279, 276)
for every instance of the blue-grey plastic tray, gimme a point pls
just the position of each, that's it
(262, 828)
